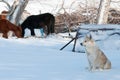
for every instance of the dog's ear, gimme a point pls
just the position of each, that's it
(87, 37)
(90, 36)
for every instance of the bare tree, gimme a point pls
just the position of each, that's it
(65, 16)
(16, 10)
(103, 12)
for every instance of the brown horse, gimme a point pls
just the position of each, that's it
(6, 26)
(2, 16)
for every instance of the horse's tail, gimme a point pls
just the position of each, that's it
(52, 24)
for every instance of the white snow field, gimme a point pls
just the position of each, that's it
(41, 59)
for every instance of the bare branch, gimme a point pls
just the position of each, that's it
(103, 12)
(5, 3)
(16, 10)
(71, 5)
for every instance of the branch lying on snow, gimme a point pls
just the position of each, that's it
(96, 29)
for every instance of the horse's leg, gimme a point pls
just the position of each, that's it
(23, 32)
(32, 32)
(5, 35)
(52, 23)
(52, 28)
(42, 32)
(48, 30)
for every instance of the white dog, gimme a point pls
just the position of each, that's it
(96, 58)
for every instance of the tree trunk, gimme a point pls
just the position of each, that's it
(16, 11)
(103, 12)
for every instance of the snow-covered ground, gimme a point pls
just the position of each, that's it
(41, 59)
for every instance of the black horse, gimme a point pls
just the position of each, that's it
(39, 21)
